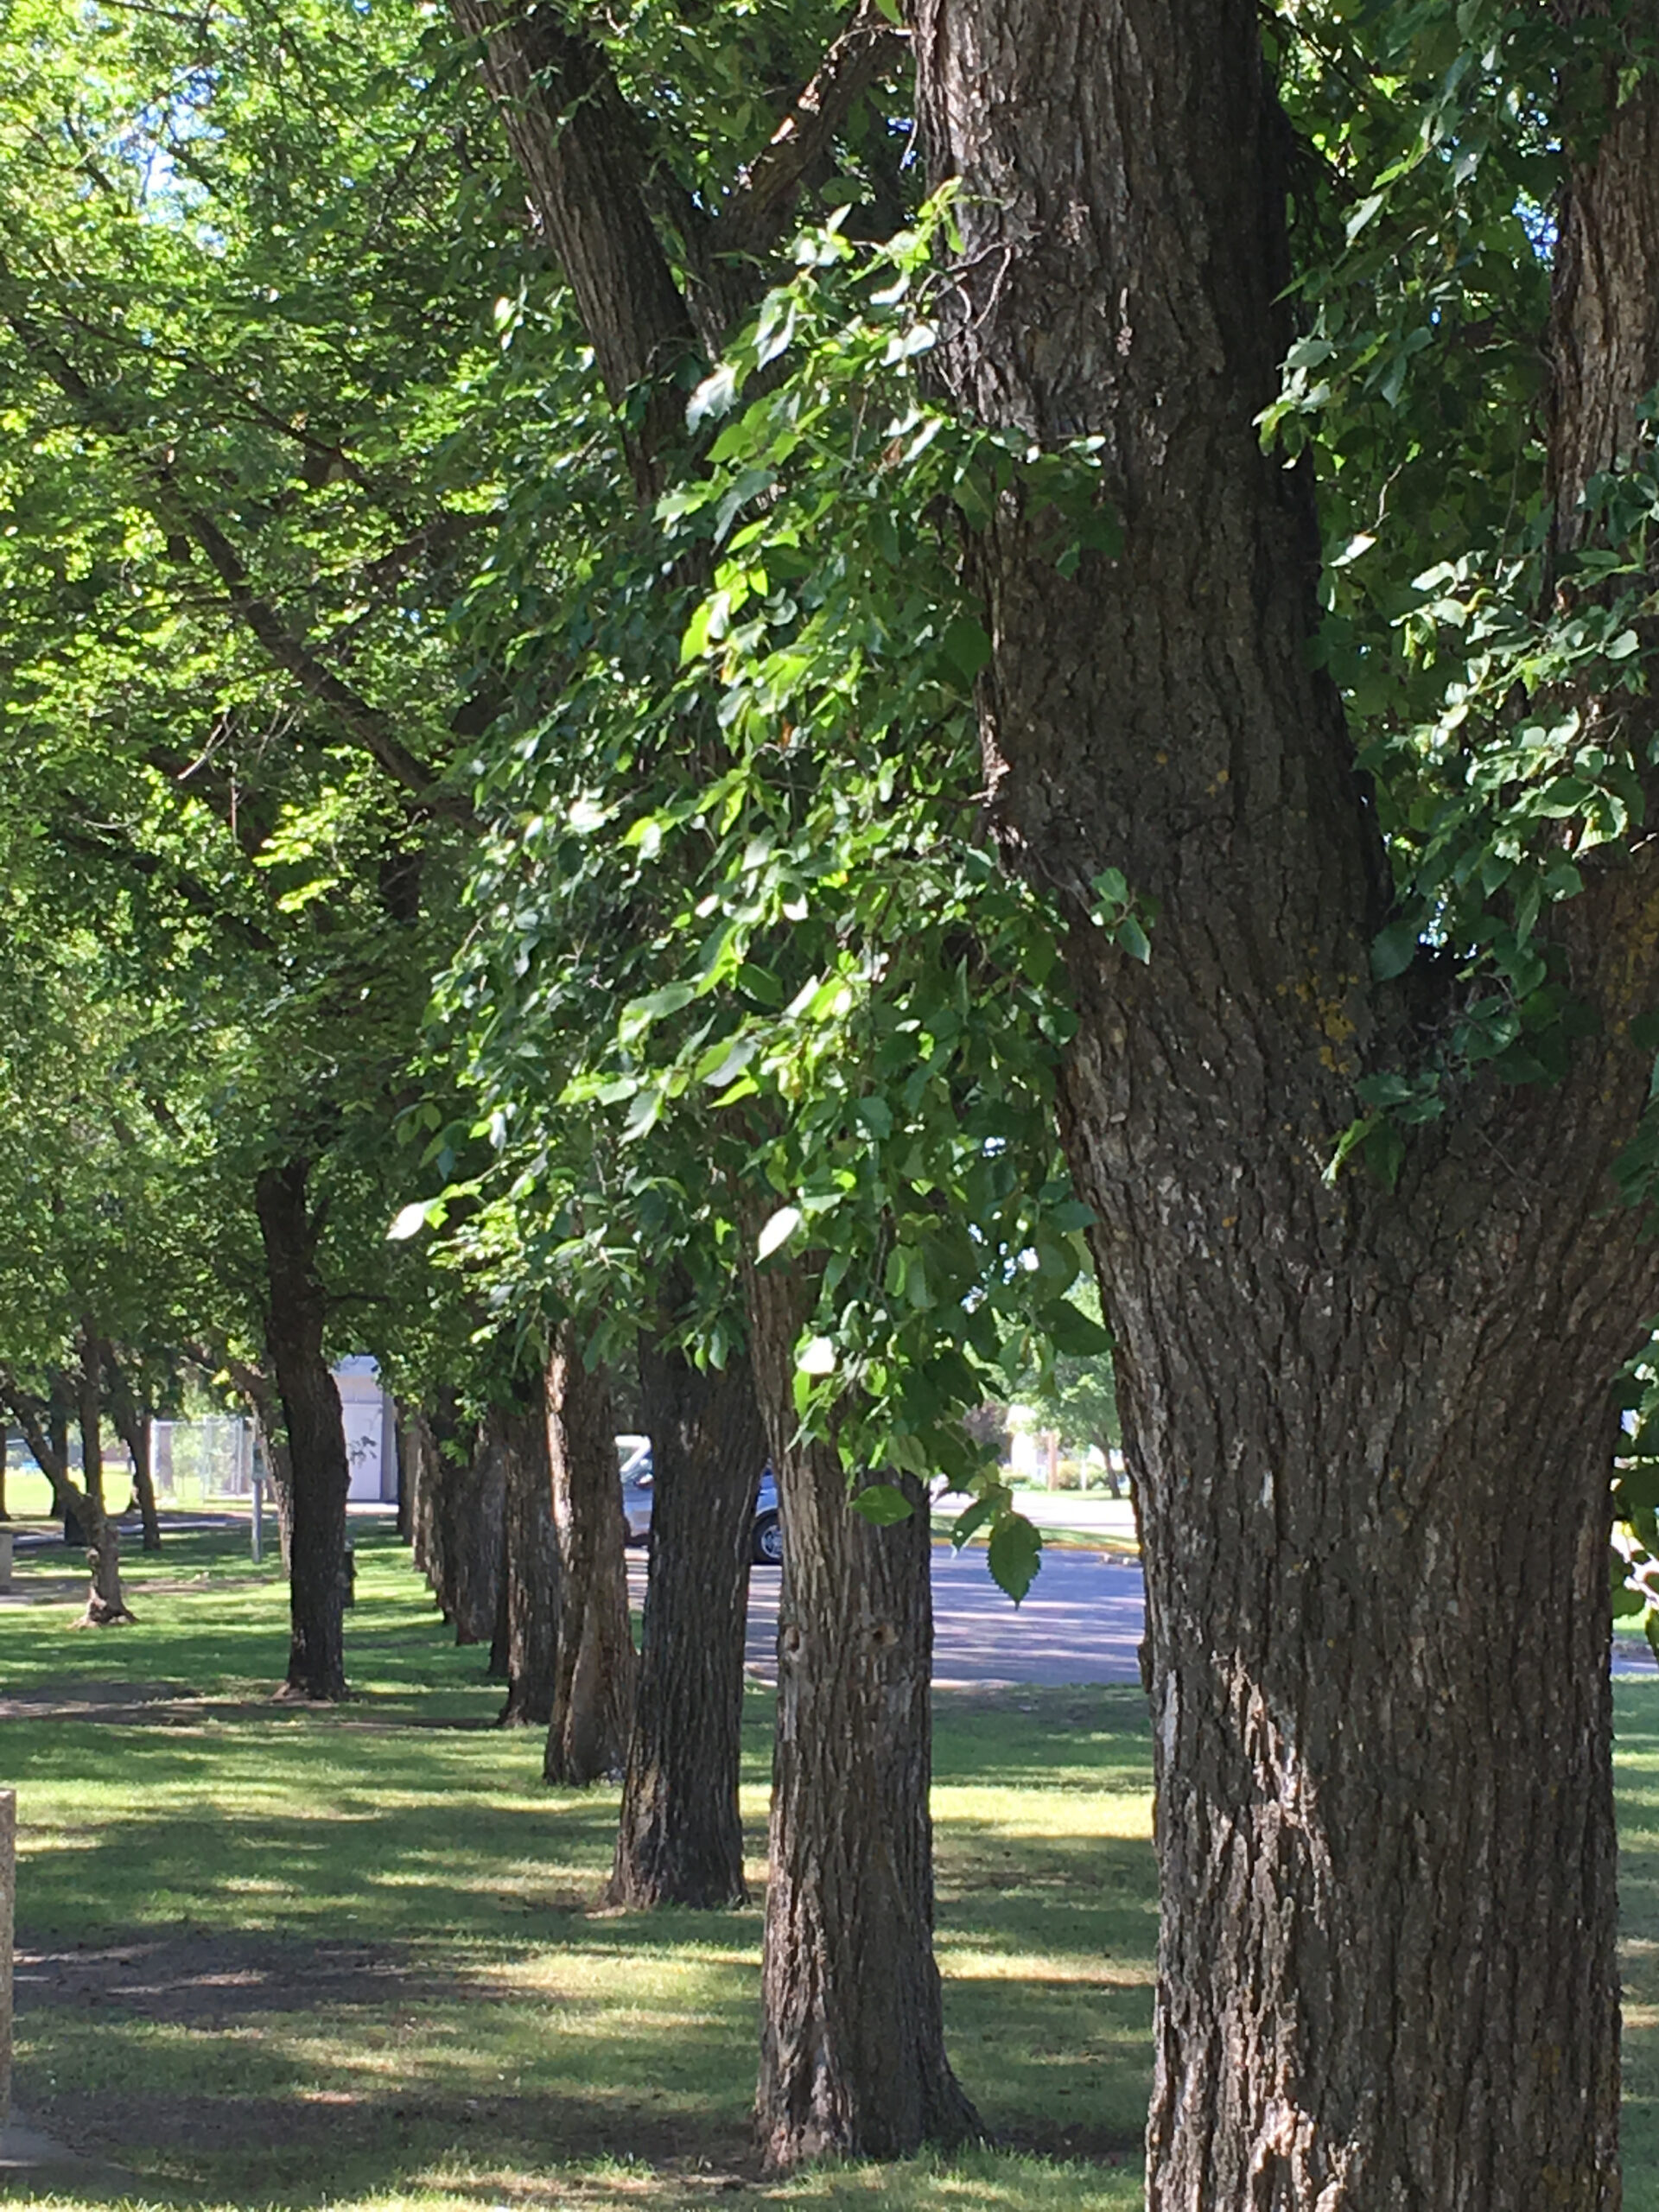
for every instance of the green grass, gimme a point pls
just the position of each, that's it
(365, 1965)
(364, 1960)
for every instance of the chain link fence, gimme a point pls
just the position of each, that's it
(194, 1462)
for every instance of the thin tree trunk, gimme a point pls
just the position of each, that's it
(420, 1446)
(4, 1447)
(256, 1387)
(105, 1604)
(852, 2052)
(593, 1678)
(314, 1431)
(680, 1840)
(133, 1427)
(46, 1434)
(405, 1484)
(461, 1510)
(1367, 1430)
(59, 1412)
(530, 1590)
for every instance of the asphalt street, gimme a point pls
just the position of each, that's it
(1081, 1623)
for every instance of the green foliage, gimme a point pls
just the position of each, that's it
(741, 905)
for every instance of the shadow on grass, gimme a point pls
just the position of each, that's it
(274, 1955)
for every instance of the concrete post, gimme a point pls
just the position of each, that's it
(8, 1895)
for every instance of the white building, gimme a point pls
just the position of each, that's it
(371, 1431)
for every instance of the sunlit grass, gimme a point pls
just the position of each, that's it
(384, 1979)
(369, 1963)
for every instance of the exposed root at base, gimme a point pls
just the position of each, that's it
(99, 1614)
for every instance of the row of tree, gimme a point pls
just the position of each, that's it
(749, 754)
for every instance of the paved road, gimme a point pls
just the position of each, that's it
(1081, 1623)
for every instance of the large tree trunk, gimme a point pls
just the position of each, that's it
(529, 1595)
(852, 2048)
(320, 1473)
(1367, 1430)
(681, 1841)
(593, 1678)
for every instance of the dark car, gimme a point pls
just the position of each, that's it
(634, 1454)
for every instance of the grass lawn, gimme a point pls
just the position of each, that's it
(283, 1958)
(268, 1956)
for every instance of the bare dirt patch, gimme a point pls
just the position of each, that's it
(160, 1703)
(212, 1980)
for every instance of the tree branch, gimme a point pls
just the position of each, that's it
(756, 217)
(591, 183)
(363, 725)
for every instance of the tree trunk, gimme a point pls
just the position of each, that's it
(529, 1591)
(270, 1439)
(1368, 1431)
(468, 1536)
(593, 1676)
(105, 1603)
(455, 1480)
(405, 1484)
(132, 1425)
(4, 1448)
(45, 1431)
(315, 1434)
(419, 1447)
(852, 2048)
(681, 1841)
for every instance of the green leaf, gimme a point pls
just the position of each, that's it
(714, 396)
(817, 1356)
(1072, 1332)
(875, 1116)
(1015, 1554)
(883, 1504)
(966, 647)
(1133, 939)
(1393, 949)
(407, 1222)
(779, 1230)
(967, 1523)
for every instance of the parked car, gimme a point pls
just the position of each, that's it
(633, 1458)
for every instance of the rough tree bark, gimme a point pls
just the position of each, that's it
(825, 2082)
(680, 1840)
(1368, 1432)
(530, 1587)
(852, 2044)
(320, 1473)
(593, 1677)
